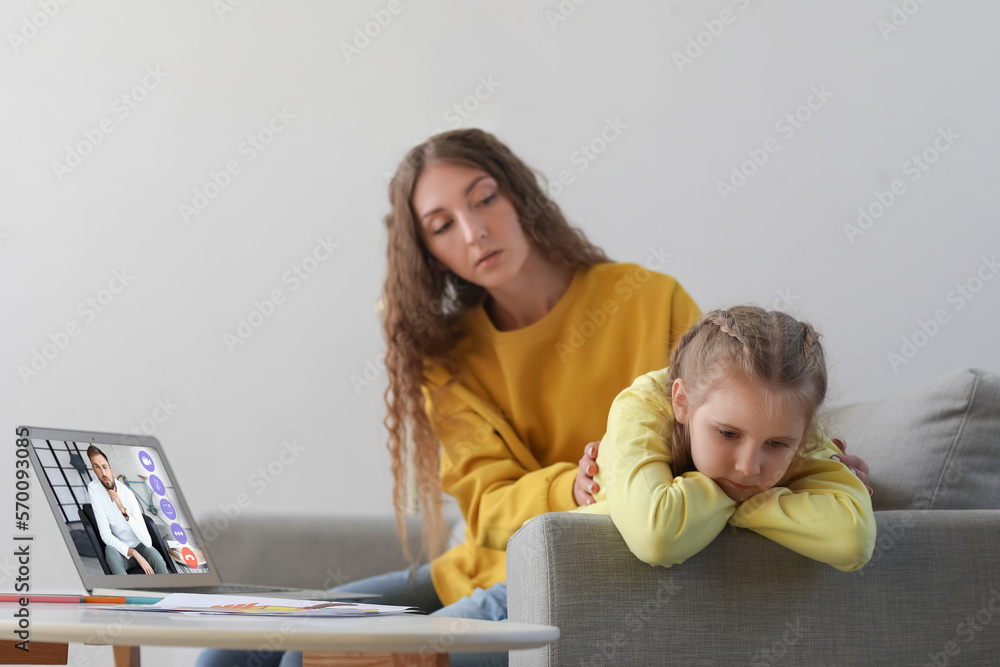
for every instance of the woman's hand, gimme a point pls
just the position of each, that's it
(856, 464)
(585, 487)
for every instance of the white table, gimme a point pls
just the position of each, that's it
(387, 640)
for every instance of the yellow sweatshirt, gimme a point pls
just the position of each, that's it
(820, 509)
(529, 400)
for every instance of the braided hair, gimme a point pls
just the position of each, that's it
(769, 347)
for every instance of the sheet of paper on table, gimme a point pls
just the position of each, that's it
(241, 604)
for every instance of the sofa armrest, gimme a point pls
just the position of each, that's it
(930, 595)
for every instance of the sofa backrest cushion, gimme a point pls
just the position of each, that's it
(936, 447)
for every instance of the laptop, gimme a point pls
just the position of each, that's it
(138, 467)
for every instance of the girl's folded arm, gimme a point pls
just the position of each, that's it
(664, 519)
(824, 512)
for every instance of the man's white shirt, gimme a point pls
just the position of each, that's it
(111, 524)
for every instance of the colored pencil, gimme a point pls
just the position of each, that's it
(79, 599)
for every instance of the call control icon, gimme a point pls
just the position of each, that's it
(189, 558)
(168, 509)
(157, 485)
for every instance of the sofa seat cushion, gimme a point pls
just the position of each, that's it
(936, 447)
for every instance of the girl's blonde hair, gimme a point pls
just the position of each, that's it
(422, 304)
(771, 348)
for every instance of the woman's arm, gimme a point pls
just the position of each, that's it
(494, 477)
(824, 512)
(664, 519)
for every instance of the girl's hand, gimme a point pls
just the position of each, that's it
(585, 487)
(856, 464)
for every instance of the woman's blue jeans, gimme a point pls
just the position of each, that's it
(411, 588)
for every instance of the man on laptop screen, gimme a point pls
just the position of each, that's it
(119, 521)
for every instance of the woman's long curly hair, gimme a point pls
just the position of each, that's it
(421, 304)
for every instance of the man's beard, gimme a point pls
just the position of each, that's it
(108, 485)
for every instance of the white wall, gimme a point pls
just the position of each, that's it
(555, 86)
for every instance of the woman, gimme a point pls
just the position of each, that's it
(508, 336)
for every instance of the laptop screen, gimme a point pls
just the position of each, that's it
(119, 508)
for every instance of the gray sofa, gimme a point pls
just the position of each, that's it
(929, 596)
(315, 552)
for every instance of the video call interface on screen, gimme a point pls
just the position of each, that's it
(140, 480)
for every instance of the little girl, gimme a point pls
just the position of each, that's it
(727, 434)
